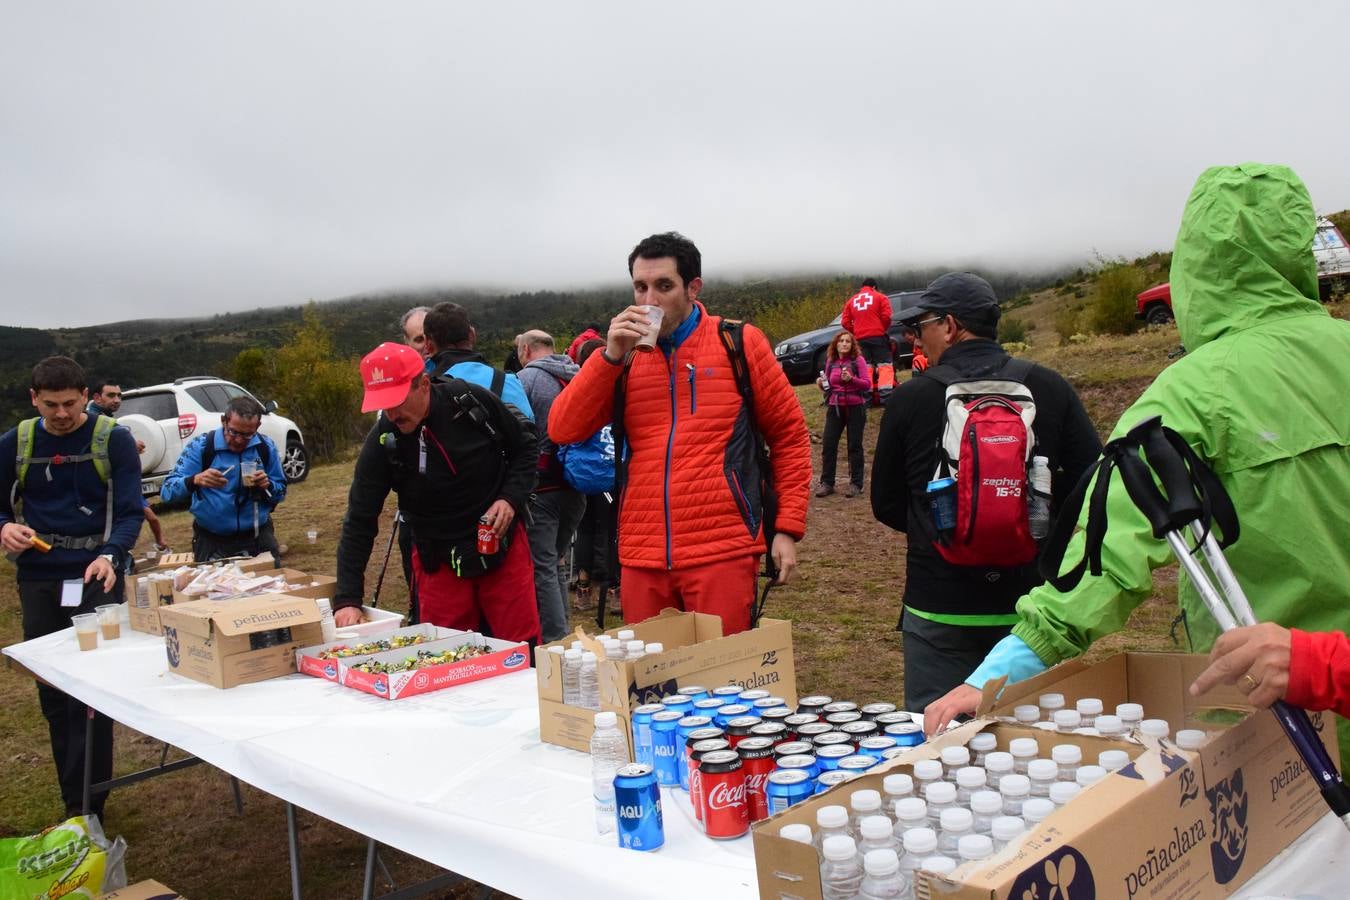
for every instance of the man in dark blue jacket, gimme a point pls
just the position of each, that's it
(234, 477)
(72, 481)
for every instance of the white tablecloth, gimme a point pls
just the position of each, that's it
(460, 778)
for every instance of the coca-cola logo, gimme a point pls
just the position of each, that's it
(754, 784)
(726, 796)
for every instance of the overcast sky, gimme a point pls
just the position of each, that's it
(182, 158)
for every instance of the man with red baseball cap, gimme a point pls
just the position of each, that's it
(457, 457)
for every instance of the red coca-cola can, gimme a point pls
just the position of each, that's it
(757, 762)
(696, 751)
(738, 729)
(726, 813)
(488, 542)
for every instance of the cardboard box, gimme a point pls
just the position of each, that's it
(506, 656)
(1172, 824)
(308, 661)
(309, 585)
(143, 890)
(143, 606)
(220, 642)
(695, 652)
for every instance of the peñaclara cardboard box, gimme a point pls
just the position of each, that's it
(695, 652)
(1171, 824)
(230, 642)
(145, 595)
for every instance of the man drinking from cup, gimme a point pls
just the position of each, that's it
(234, 479)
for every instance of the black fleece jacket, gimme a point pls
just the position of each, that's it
(907, 456)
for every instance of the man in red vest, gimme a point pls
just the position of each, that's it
(867, 316)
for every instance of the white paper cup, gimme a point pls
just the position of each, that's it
(655, 315)
(312, 536)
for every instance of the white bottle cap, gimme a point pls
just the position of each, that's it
(625, 634)
(986, 803)
(587, 657)
(1109, 725)
(983, 742)
(606, 719)
(1043, 770)
(1024, 748)
(939, 865)
(942, 792)
(832, 816)
(919, 840)
(1026, 713)
(634, 646)
(1089, 706)
(998, 763)
(958, 818)
(971, 777)
(880, 863)
(898, 784)
(557, 648)
(865, 801)
(1037, 809)
(1190, 738)
(1062, 792)
(1051, 701)
(1005, 828)
(1111, 760)
(1067, 719)
(839, 847)
(1066, 754)
(799, 833)
(911, 809)
(574, 654)
(1157, 728)
(1087, 775)
(955, 756)
(655, 648)
(975, 846)
(1014, 785)
(928, 769)
(1130, 712)
(875, 828)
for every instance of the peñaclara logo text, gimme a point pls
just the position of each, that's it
(1282, 779)
(268, 617)
(1157, 860)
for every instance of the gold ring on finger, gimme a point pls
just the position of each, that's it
(1250, 682)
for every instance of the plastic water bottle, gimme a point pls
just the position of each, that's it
(1131, 714)
(1023, 751)
(1109, 726)
(938, 865)
(840, 873)
(589, 682)
(1090, 775)
(956, 824)
(981, 745)
(919, 843)
(911, 812)
(1042, 773)
(1015, 790)
(1005, 830)
(863, 804)
(1035, 811)
(875, 833)
(986, 806)
(625, 634)
(927, 772)
(1113, 760)
(1191, 738)
(953, 760)
(1062, 792)
(969, 780)
(998, 764)
(1067, 720)
(1155, 728)
(800, 833)
(941, 796)
(831, 821)
(634, 650)
(571, 674)
(1089, 708)
(609, 751)
(895, 787)
(1050, 704)
(975, 846)
(1027, 714)
(881, 876)
(1038, 502)
(613, 648)
(1068, 757)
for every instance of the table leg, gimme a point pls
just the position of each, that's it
(88, 758)
(368, 885)
(293, 838)
(238, 796)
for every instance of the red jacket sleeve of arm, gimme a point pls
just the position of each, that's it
(780, 420)
(1319, 671)
(884, 312)
(587, 404)
(846, 316)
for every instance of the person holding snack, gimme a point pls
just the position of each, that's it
(234, 479)
(70, 511)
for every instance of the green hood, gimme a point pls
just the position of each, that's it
(1243, 255)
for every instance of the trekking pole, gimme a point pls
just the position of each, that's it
(384, 567)
(1191, 494)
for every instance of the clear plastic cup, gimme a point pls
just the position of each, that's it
(248, 471)
(655, 315)
(109, 620)
(312, 535)
(86, 630)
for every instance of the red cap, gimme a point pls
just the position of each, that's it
(386, 373)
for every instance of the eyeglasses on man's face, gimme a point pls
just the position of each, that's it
(913, 330)
(239, 435)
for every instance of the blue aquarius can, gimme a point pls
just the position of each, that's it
(678, 702)
(637, 808)
(893, 752)
(770, 702)
(642, 732)
(906, 734)
(728, 711)
(683, 728)
(828, 757)
(728, 692)
(708, 706)
(787, 787)
(750, 695)
(804, 761)
(858, 763)
(876, 746)
(828, 780)
(694, 692)
(667, 751)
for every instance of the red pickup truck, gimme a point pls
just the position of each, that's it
(1329, 248)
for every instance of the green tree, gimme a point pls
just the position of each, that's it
(1113, 308)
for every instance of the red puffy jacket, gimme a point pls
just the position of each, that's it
(867, 314)
(1319, 671)
(689, 497)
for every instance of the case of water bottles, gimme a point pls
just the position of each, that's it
(693, 650)
(1163, 822)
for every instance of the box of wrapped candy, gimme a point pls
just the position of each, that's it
(329, 660)
(467, 657)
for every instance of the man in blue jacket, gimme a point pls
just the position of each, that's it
(449, 348)
(72, 481)
(231, 510)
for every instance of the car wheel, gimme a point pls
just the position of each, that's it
(295, 464)
(1158, 314)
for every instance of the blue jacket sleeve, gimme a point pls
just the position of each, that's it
(1010, 656)
(176, 484)
(274, 472)
(128, 512)
(513, 393)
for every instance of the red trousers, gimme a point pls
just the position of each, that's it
(502, 598)
(725, 589)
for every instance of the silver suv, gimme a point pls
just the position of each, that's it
(165, 417)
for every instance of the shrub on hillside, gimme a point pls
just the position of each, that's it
(1066, 323)
(783, 320)
(1012, 330)
(1112, 310)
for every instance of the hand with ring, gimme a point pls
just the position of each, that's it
(1255, 658)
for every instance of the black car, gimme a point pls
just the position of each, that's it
(803, 356)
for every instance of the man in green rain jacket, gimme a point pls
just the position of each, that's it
(1260, 395)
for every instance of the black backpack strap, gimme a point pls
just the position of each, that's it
(498, 382)
(1016, 369)
(943, 375)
